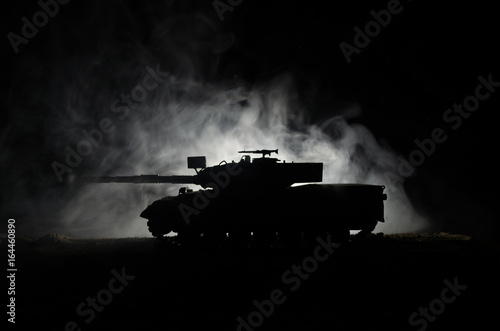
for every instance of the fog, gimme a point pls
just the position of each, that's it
(186, 113)
(185, 118)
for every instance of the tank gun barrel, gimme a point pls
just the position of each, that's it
(142, 179)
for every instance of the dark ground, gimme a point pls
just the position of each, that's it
(373, 284)
(424, 62)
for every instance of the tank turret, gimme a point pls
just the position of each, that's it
(257, 173)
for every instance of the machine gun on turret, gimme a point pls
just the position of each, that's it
(264, 152)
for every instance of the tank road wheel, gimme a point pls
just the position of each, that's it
(264, 238)
(239, 238)
(213, 239)
(311, 236)
(340, 233)
(290, 238)
(188, 238)
(158, 228)
(366, 230)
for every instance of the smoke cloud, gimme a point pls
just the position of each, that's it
(188, 113)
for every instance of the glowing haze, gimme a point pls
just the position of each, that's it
(185, 115)
(217, 121)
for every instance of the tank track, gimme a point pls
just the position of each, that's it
(254, 240)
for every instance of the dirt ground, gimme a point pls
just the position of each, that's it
(384, 282)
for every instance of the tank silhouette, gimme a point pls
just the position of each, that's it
(253, 202)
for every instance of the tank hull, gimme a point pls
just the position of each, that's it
(312, 208)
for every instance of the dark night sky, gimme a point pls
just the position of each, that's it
(425, 60)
